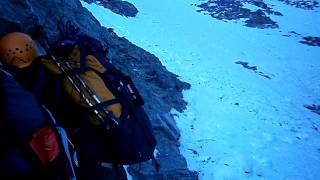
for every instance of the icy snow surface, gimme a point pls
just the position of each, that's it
(238, 124)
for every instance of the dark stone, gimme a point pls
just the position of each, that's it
(264, 75)
(160, 89)
(252, 68)
(167, 124)
(194, 151)
(311, 41)
(261, 22)
(246, 65)
(302, 4)
(120, 7)
(314, 108)
(293, 32)
(234, 10)
(277, 13)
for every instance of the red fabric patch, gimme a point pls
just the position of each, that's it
(45, 144)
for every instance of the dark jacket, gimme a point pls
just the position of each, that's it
(20, 117)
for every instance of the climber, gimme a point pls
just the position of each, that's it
(99, 106)
(29, 144)
(32, 145)
(114, 130)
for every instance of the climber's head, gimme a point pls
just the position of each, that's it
(18, 49)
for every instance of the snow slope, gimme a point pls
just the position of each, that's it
(238, 124)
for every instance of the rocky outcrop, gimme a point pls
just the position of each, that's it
(236, 10)
(120, 7)
(256, 14)
(161, 89)
(302, 4)
(260, 18)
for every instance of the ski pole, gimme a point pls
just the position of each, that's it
(75, 85)
(108, 113)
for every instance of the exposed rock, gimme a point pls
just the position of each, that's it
(314, 108)
(166, 124)
(253, 68)
(295, 33)
(302, 4)
(258, 19)
(292, 34)
(246, 65)
(120, 7)
(224, 10)
(311, 41)
(235, 10)
(160, 89)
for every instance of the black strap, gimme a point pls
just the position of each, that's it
(37, 88)
(125, 111)
(125, 108)
(106, 103)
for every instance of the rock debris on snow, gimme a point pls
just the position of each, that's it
(302, 4)
(260, 18)
(314, 108)
(253, 68)
(120, 7)
(311, 41)
(236, 10)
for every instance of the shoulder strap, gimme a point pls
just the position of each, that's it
(64, 141)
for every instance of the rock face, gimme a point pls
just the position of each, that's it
(161, 89)
(120, 7)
